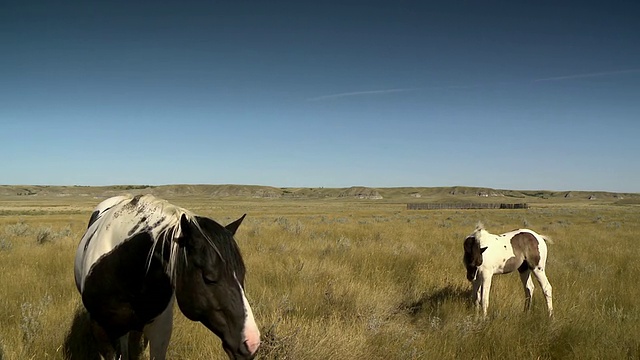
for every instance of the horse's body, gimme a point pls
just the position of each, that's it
(138, 254)
(486, 254)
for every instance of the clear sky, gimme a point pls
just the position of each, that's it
(512, 95)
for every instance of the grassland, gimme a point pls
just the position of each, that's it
(342, 278)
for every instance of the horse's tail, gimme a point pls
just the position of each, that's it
(547, 239)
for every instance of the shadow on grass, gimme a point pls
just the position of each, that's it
(79, 342)
(432, 301)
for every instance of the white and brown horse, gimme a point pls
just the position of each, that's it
(486, 254)
(138, 254)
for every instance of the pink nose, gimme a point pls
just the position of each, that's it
(252, 341)
(253, 344)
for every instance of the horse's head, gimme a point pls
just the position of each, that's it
(472, 258)
(210, 284)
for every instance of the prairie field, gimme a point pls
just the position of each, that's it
(352, 279)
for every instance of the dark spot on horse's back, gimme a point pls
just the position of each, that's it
(525, 244)
(135, 227)
(157, 223)
(93, 218)
(134, 201)
(86, 244)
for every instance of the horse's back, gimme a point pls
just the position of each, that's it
(102, 235)
(118, 219)
(542, 240)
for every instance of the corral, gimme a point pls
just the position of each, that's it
(449, 206)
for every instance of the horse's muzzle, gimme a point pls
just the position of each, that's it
(243, 353)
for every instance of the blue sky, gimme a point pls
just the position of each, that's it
(509, 95)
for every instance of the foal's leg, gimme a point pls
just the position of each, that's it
(527, 284)
(485, 289)
(159, 333)
(546, 287)
(477, 282)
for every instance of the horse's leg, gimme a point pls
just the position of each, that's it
(124, 346)
(546, 287)
(105, 346)
(527, 284)
(159, 333)
(477, 282)
(485, 289)
(136, 344)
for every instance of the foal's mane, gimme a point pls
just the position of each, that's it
(479, 227)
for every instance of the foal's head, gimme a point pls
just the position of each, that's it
(472, 258)
(210, 284)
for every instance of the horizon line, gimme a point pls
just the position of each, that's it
(140, 186)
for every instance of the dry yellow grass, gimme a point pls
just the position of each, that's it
(340, 279)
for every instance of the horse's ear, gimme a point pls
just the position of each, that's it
(233, 227)
(185, 230)
(483, 249)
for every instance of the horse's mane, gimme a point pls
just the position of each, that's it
(131, 216)
(478, 230)
(481, 234)
(173, 231)
(222, 241)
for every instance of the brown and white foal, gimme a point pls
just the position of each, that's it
(486, 254)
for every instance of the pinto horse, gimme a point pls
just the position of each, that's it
(486, 254)
(138, 254)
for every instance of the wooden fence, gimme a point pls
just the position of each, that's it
(438, 206)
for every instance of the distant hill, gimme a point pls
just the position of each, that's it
(394, 194)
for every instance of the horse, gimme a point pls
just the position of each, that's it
(486, 254)
(141, 253)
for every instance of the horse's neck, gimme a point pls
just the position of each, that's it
(485, 238)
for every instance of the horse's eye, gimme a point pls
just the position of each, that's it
(209, 279)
